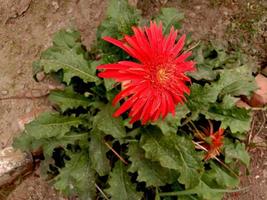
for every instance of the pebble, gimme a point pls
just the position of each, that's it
(4, 92)
(19, 71)
(28, 109)
(36, 93)
(55, 4)
(197, 7)
(40, 76)
(49, 24)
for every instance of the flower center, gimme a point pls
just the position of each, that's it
(162, 75)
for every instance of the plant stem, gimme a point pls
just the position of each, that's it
(118, 155)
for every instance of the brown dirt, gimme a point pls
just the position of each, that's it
(26, 28)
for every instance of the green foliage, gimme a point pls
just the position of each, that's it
(236, 151)
(219, 177)
(68, 55)
(218, 103)
(98, 150)
(173, 152)
(104, 121)
(150, 172)
(77, 177)
(50, 124)
(90, 154)
(121, 187)
(49, 131)
(170, 17)
(171, 123)
(68, 99)
(120, 19)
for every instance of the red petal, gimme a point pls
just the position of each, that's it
(183, 57)
(112, 66)
(179, 45)
(125, 106)
(124, 93)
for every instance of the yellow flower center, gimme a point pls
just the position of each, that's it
(162, 75)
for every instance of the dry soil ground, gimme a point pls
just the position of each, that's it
(26, 27)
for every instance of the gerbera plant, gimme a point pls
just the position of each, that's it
(157, 83)
(144, 68)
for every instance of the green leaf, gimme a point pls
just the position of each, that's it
(51, 124)
(170, 17)
(67, 54)
(97, 151)
(104, 121)
(120, 19)
(171, 123)
(204, 72)
(121, 187)
(149, 171)
(218, 176)
(77, 177)
(49, 144)
(197, 102)
(173, 152)
(72, 64)
(27, 142)
(238, 119)
(68, 99)
(236, 151)
(236, 82)
(202, 190)
(67, 39)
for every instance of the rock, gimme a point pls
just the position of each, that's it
(14, 164)
(242, 104)
(259, 97)
(4, 92)
(40, 76)
(55, 5)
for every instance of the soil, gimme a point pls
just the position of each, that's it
(26, 29)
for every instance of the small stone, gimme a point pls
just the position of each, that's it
(4, 92)
(259, 97)
(40, 76)
(225, 13)
(19, 71)
(197, 7)
(36, 93)
(28, 109)
(49, 25)
(256, 177)
(55, 5)
(242, 104)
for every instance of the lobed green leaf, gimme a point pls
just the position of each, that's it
(173, 152)
(121, 187)
(150, 172)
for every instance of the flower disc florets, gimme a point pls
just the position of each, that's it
(157, 83)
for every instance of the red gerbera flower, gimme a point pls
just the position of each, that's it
(153, 86)
(211, 141)
(215, 144)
